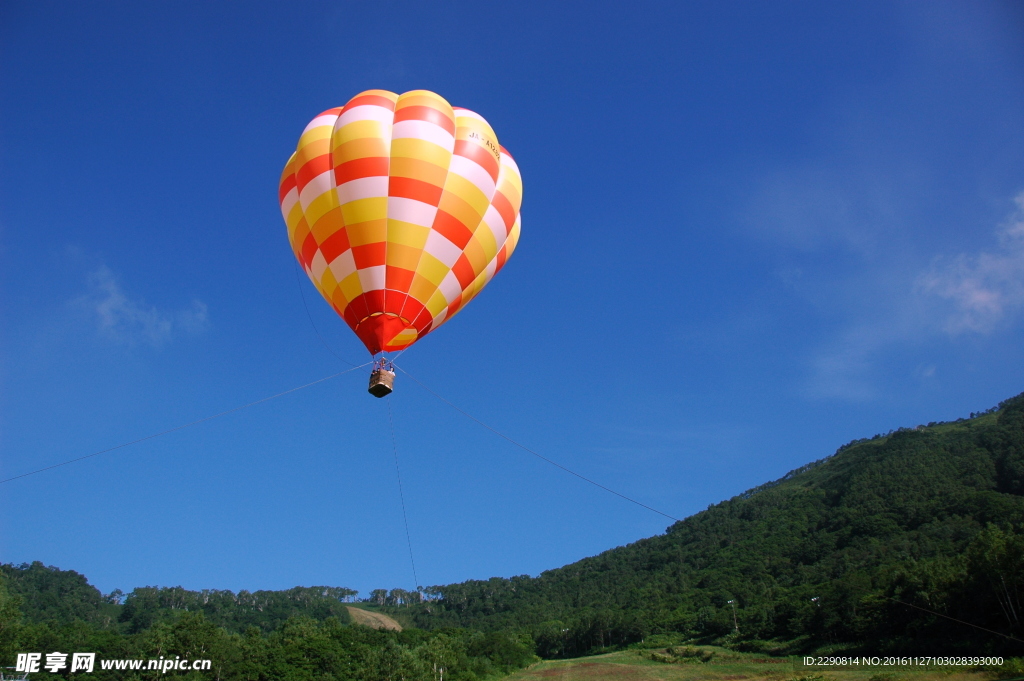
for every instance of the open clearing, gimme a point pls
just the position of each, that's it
(635, 665)
(372, 619)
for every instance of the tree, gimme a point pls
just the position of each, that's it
(440, 654)
(996, 558)
(10, 618)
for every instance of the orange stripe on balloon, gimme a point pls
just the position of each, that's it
(299, 238)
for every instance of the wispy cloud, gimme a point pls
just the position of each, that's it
(985, 288)
(840, 370)
(130, 321)
(896, 309)
(810, 208)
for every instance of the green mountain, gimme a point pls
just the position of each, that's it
(909, 542)
(877, 545)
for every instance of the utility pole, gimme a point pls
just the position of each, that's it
(735, 625)
(817, 601)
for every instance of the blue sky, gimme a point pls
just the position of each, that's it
(751, 233)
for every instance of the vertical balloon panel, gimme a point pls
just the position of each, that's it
(422, 153)
(361, 157)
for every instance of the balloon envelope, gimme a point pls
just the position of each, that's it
(401, 209)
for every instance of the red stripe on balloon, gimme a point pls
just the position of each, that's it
(353, 314)
(311, 168)
(287, 184)
(369, 255)
(422, 321)
(371, 100)
(412, 308)
(418, 190)
(463, 271)
(309, 247)
(479, 155)
(505, 210)
(452, 229)
(375, 166)
(334, 245)
(428, 114)
(398, 279)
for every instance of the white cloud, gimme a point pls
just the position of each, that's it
(129, 321)
(896, 307)
(986, 288)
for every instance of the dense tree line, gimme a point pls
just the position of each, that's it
(67, 615)
(48, 594)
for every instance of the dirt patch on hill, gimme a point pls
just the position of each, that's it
(373, 619)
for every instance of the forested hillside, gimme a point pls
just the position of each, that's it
(63, 596)
(299, 634)
(871, 545)
(908, 542)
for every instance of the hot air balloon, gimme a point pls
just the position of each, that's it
(400, 208)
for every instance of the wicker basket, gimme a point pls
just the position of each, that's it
(382, 382)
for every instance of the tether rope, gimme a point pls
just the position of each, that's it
(939, 614)
(298, 281)
(187, 425)
(539, 456)
(401, 495)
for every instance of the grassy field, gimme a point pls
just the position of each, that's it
(707, 663)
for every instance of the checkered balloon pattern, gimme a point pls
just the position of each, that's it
(400, 208)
